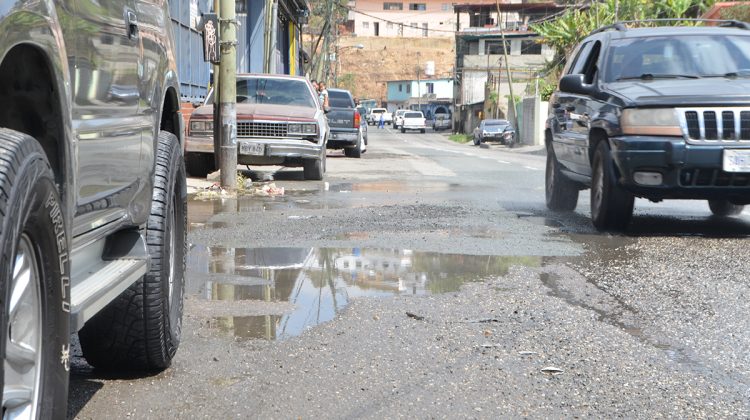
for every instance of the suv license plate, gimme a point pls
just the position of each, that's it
(736, 160)
(254, 149)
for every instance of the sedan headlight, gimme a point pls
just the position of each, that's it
(202, 126)
(654, 122)
(301, 129)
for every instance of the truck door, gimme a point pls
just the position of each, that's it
(105, 105)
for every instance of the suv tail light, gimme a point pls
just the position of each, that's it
(357, 119)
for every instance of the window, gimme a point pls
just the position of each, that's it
(417, 6)
(430, 88)
(424, 30)
(496, 47)
(408, 88)
(400, 87)
(474, 48)
(531, 47)
(340, 99)
(389, 25)
(365, 25)
(393, 6)
(240, 6)
(446, 7)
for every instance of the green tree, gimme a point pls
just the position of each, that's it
(739, 12)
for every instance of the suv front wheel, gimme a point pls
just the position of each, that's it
(140, 330)
(611, 206)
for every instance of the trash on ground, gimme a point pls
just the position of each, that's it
(415, 316)
(552, 370)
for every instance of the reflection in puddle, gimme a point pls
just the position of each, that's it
(321, 282)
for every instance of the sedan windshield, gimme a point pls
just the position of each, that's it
(689, 56)
(272, 91)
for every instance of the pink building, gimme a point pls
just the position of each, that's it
(410, 19)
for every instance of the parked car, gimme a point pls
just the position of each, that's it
(93, 196)
(413, 120)
(495, 130)
(398, 118)
(374, 117)
(279, 122)
(658, 113)
(348, 128)
(442, 122)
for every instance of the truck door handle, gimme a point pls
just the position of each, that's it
(132, 20)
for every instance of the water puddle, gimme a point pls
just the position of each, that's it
(320, 282)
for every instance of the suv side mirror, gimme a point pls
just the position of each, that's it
(573, 83)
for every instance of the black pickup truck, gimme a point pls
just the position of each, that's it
(348, 127)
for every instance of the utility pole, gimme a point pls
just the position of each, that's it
(228, 95)
(419, 84)
(507, 70)
(217, 113)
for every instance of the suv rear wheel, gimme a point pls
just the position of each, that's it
(724, 208)
(356, 151)
(34, 274)
(560, 193)
(611, 206)
(140, 330)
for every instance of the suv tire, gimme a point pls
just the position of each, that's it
(561, 194)
(611, 206)
(724, 208)
(34, 273)
(140, 330)
(199, 164)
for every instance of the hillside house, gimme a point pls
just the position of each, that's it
(480, 68)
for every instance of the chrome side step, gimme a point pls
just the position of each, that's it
(102, 271)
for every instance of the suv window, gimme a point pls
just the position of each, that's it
(590, 66)
(576, 66)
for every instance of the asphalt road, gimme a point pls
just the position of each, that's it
(427, 279)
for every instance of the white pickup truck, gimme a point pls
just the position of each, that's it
(375, 113)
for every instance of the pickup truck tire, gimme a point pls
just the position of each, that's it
(724, 208)
(140, 330)
(199, 164)
(422, 131)
(611, 206)
(313, 169)
(561, 194)
(354, 152)
(34, 271)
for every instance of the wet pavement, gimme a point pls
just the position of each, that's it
(427, 279)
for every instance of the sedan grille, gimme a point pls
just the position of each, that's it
(712, 126)
(261, 129)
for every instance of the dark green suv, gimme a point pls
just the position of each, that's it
(658, 113)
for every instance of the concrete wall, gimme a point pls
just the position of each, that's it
(533, 115)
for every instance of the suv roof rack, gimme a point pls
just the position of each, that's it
(621, 25)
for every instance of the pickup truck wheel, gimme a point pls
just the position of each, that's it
(313, 169)
(140, 330)
(355, 152)
(724, 208)
(199, 164)
(422, 131)
(34, 271)
(560, 193)
(611, 206)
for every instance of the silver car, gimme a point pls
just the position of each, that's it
(279, 122)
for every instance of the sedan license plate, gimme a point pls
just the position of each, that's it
(253, 149)
(736, 160)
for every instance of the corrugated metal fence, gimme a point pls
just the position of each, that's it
(194, 73)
